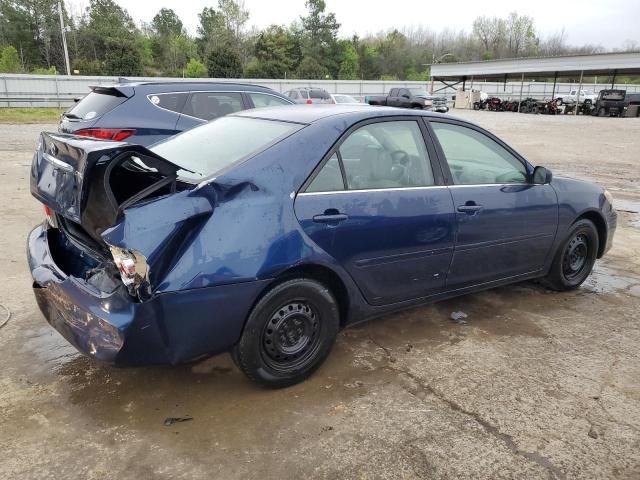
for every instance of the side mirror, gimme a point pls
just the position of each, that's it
(541, 176)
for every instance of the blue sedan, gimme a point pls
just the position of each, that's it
(265, 232)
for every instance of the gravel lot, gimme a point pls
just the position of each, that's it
(536, 384)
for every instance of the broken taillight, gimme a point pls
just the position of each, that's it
(51, 217)
(115, 134)
(133, 269)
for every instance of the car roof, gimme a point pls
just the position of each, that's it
(308, 114)
(309, 88)
(169, 86)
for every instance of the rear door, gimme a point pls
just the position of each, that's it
(505, 224)
(379, 208)
(202, 107)
(393, 99)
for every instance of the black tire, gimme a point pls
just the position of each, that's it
(602, 112)
(289, 333)
(575, 258)
(558, 101)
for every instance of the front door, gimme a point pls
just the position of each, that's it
(505, 224)
(376, 207)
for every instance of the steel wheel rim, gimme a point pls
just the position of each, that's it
(291, 337)
(576, 256)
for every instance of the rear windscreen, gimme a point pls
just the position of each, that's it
(205, 150)
(319, 94)
(613, 96)
(96, 104)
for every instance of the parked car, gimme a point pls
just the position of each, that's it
(200, 244)
(309, 95)
(147, 112)
(610, 103)
(411, 98)
(342, 99)
(586, 96)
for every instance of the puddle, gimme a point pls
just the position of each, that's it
(630, 207)
(606, 280)
(49, 347)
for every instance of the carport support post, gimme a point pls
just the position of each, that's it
(521, 86)
(578, 94)
(613, 79)
(553, 92)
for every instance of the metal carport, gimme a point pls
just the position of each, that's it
(612, 64)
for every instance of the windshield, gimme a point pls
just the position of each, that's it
(207, 149)
(418, 92)
(344, 99)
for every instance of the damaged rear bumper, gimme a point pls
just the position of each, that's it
(112, 327)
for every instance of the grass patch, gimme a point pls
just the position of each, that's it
(30, 115)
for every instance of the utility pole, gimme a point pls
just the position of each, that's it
(64, 30)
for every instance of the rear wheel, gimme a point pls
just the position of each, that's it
(288, 334)
(575, 258)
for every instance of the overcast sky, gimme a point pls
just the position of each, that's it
(609, 23)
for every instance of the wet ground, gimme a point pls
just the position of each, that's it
(535, 384)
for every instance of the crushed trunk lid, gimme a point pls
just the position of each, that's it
(89, 182)
(119, 202)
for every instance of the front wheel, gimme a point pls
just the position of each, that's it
(288, 334)
(575, 258)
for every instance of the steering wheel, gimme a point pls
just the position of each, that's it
(400, 165)
(400, 157)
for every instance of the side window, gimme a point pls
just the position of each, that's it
(264, 100)
(169, 101)
(476, 159)
(386, 155)
(210, 105)
(329, 179)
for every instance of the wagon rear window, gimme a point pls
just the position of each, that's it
(208, 149)
(96, 104)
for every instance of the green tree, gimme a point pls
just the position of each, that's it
(33, 28)
(167, 23)
(311, 68)
(276, 54)
(234, 15)
(9, 61)
(223, 61)
(370, 61)
(349, 67)
(45, 71)
(319, 39)
(122, 57)
(195, 69)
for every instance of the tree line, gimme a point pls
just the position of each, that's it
(104, 40)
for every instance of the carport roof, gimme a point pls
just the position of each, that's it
(569, 65)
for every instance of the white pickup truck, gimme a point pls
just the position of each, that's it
(586, 96)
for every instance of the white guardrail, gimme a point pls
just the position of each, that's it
(20, 90)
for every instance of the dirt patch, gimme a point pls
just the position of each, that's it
(534, 384)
